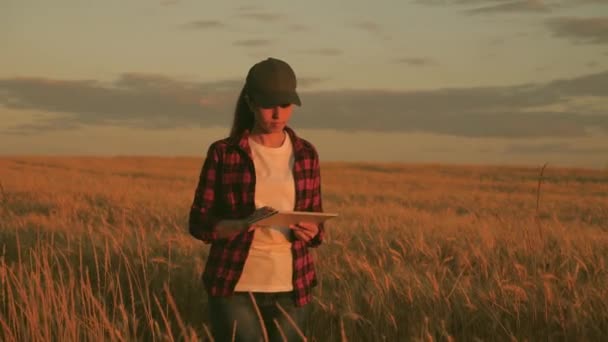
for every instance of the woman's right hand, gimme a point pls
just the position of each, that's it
(260, 213)
(228, 229)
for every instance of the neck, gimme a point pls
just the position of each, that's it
(268, 139)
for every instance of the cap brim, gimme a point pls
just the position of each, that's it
(276, 99)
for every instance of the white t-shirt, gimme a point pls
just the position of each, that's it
(269, 265)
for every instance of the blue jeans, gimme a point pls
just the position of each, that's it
(239, 308)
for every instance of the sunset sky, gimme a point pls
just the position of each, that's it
(433, 81)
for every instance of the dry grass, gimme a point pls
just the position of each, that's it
(98, 249)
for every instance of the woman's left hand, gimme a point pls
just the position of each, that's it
(305, 231)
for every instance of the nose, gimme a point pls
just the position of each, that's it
(275, 112)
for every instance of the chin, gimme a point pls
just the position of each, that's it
(275, 129)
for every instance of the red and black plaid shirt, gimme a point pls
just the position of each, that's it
(226, 190)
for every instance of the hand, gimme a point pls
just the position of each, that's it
(260, 213)
(305, 231)
(228, 229)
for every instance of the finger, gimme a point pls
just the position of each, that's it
(296, 227)
(301, 236)
(307, 225)
(304, 225)
(306, 234)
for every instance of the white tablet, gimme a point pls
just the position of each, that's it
(286, 218)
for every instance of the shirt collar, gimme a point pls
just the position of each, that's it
(243, 141)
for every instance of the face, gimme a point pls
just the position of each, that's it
(271, 119)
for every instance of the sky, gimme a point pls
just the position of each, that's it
(517, 82)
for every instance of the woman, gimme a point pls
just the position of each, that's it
(259, 274)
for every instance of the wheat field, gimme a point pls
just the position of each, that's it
(97, 248)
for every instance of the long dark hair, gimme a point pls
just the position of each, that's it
(243, 116)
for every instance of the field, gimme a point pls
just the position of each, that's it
(98, 249)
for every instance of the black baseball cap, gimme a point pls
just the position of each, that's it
(272, 82)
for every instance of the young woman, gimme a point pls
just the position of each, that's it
(259, 279)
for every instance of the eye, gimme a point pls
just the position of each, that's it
(285, 105)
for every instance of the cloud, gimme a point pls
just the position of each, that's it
(511, 6)
(588, 85)
(248, 8)
(368, 26)
(553, 148)
(523, 6)
(159, 101)
(402, 113)
(328, 52)
(592, 30)
(371, 28)
(511, 112)
(416, 61)
(252, 42)
(33, 128)
(492, 6)
(257, 13)
(261, 16)
(305, 82)
(576, 3)
(133, 100)
(203, 24)
(297, 28)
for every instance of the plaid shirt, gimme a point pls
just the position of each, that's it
(226, 190)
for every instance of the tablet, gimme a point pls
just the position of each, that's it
(286, 218)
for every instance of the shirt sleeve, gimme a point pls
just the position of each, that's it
(317, 201)
(203, 217)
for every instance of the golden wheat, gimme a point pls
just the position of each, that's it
(97, 249)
